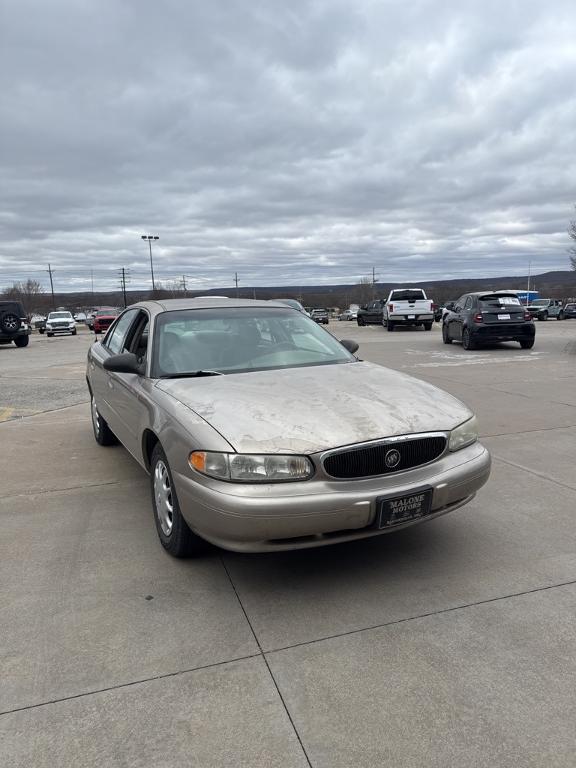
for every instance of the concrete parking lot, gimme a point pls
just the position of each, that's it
(452, 643)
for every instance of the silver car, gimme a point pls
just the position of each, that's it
(260, 431)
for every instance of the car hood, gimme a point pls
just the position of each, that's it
(305, 410)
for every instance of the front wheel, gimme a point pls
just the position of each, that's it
(74, 332)
(21, 341)
(560, 316)
(360, 321)
(49, 335)
(543, 316)
(102, 432)
(173, 532)
(445, 335)
(41, 330)
(467, 340)
(526, 343)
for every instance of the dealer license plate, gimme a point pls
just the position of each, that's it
(403, 509)
(503, 317)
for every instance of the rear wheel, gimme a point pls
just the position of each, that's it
(390, 326)
(41, 330)
(526, 343)
(102, 432)
(360, 321)
(445, 335)
(173, 532)
(21, 341)
(427, 326)
(543, 316)
(467, 340)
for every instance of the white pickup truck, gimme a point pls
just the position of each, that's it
(407, 306)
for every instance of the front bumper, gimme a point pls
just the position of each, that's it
(250, 518)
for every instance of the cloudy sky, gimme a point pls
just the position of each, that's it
(292, 142)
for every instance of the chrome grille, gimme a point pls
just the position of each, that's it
(370, 460)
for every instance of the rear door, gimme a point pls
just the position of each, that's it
(456, 319)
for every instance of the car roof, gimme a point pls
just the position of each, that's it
(492, 293)
(206, 302)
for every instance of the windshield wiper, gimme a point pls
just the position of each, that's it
(191, 374)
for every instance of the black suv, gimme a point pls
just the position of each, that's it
(478, 318)
(13, 324)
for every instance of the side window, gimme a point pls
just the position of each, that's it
(136, 340)
(116, 338)
(468, 304)
(460, 303)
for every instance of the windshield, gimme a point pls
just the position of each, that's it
(407, 295)
(540, 303)
(499, 301)
(241, 339)
(59, 316)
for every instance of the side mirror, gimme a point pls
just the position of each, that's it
(127, 362)
(351, 346)
(450, 305)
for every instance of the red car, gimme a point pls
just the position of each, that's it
(104, 318)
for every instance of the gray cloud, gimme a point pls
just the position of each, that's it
(294, 143)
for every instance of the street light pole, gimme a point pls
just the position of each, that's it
(149, 238)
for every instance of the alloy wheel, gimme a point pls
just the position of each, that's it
(163, 498)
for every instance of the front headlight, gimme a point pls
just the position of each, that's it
(251, 468)
(48, 325)
(465, 434)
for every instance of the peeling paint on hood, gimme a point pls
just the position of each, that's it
(305, 410)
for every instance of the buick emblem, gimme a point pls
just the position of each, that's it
(392, 458)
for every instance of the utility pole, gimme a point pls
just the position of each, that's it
(49, 270)
(528, 289)
(92, 284)
(149, 238)
(373, 283)
(183, 284)
(123, 278)
(236, 281)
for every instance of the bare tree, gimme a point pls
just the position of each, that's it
(30, 293)
(364, 290)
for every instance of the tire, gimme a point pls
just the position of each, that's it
(427, 326)
(560, 316)
(9, 323)
(74, 332)
(173, 532)
(526, 343)
(543, 316)
(41, 330)
(49, 335)
(102, 432)
(21, 341)
(445, 337)
(390, 326)
(361, 322)
(467, 340)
